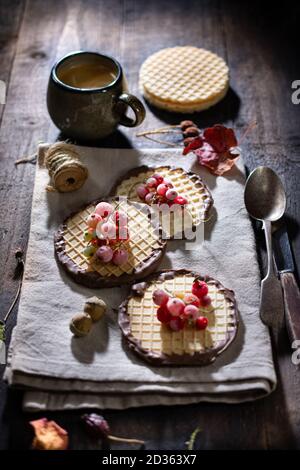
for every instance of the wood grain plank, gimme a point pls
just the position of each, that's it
(11, 14)
(263, 65)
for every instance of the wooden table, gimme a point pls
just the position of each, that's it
(260, 51)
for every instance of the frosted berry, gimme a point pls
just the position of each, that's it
(163, 314)
(151, 182)
(89, 251)
(175, 306)
(87, 235)
(176, 324)
(158, 178)
(149, 198)
(182, 201)
(108, 230)
(105, 253)
(168, 183)
(199, 289)
(191, 311)
(93, 220)
(142, 191)
(171, 194)
(191, 299)
(104, 209)
(205, 301)
(120, 257)
(160, 297)
(201, 323)
(162, 189)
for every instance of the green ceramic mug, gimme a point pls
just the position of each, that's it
(87, 96)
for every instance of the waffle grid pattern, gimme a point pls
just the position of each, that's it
(196, 195)
(143, 241)
(157, 338)
(184, 78)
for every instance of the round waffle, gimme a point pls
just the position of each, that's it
(184, 79)
(159, 345)
(187, 184)
(145, 246)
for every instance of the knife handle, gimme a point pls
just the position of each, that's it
(291, 305)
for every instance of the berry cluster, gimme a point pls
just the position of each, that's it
(106, 235)
(176, 312)
(159, 190)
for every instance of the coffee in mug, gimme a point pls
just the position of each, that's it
(87, 96)
(89, 75)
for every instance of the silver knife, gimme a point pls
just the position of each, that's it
(285, 267)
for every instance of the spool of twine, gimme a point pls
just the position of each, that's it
(65, 169)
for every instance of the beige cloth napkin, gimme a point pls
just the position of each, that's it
(60, 372)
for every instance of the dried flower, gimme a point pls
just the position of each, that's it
(49, 435)
(98, 427)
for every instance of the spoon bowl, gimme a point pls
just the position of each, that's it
(264, 195)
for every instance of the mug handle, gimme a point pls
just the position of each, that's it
(137, 107)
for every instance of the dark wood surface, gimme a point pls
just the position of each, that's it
(260, 50)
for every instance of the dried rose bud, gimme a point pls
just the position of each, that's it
(185, 124)
(191, 132)
(96, 425)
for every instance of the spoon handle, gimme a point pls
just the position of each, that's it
(268, 235)
(271, 300)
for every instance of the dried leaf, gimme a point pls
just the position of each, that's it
(193, 145)
(221, 138)
(217, 163)
(49, 435)
(217, 150)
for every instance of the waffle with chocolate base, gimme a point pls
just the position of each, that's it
(146, 247)
(186, 183)
(155, 343)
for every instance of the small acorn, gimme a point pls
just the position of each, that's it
(80, 324)
(95, 308)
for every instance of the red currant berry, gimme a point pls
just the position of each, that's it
(176, 324)
(199, 288)
(160, 297)
(158, 178)
(201, 323)
(205, 301)
(163, 315)
(182, 201)
(191, 299)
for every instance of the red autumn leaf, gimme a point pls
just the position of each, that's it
(220, 138)
(195, 144)
(216, 150)
(217, 163)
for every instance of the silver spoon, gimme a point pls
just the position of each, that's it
(265, 200)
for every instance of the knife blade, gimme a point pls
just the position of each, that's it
(285, 266)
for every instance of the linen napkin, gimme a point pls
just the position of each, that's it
(61, 372)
